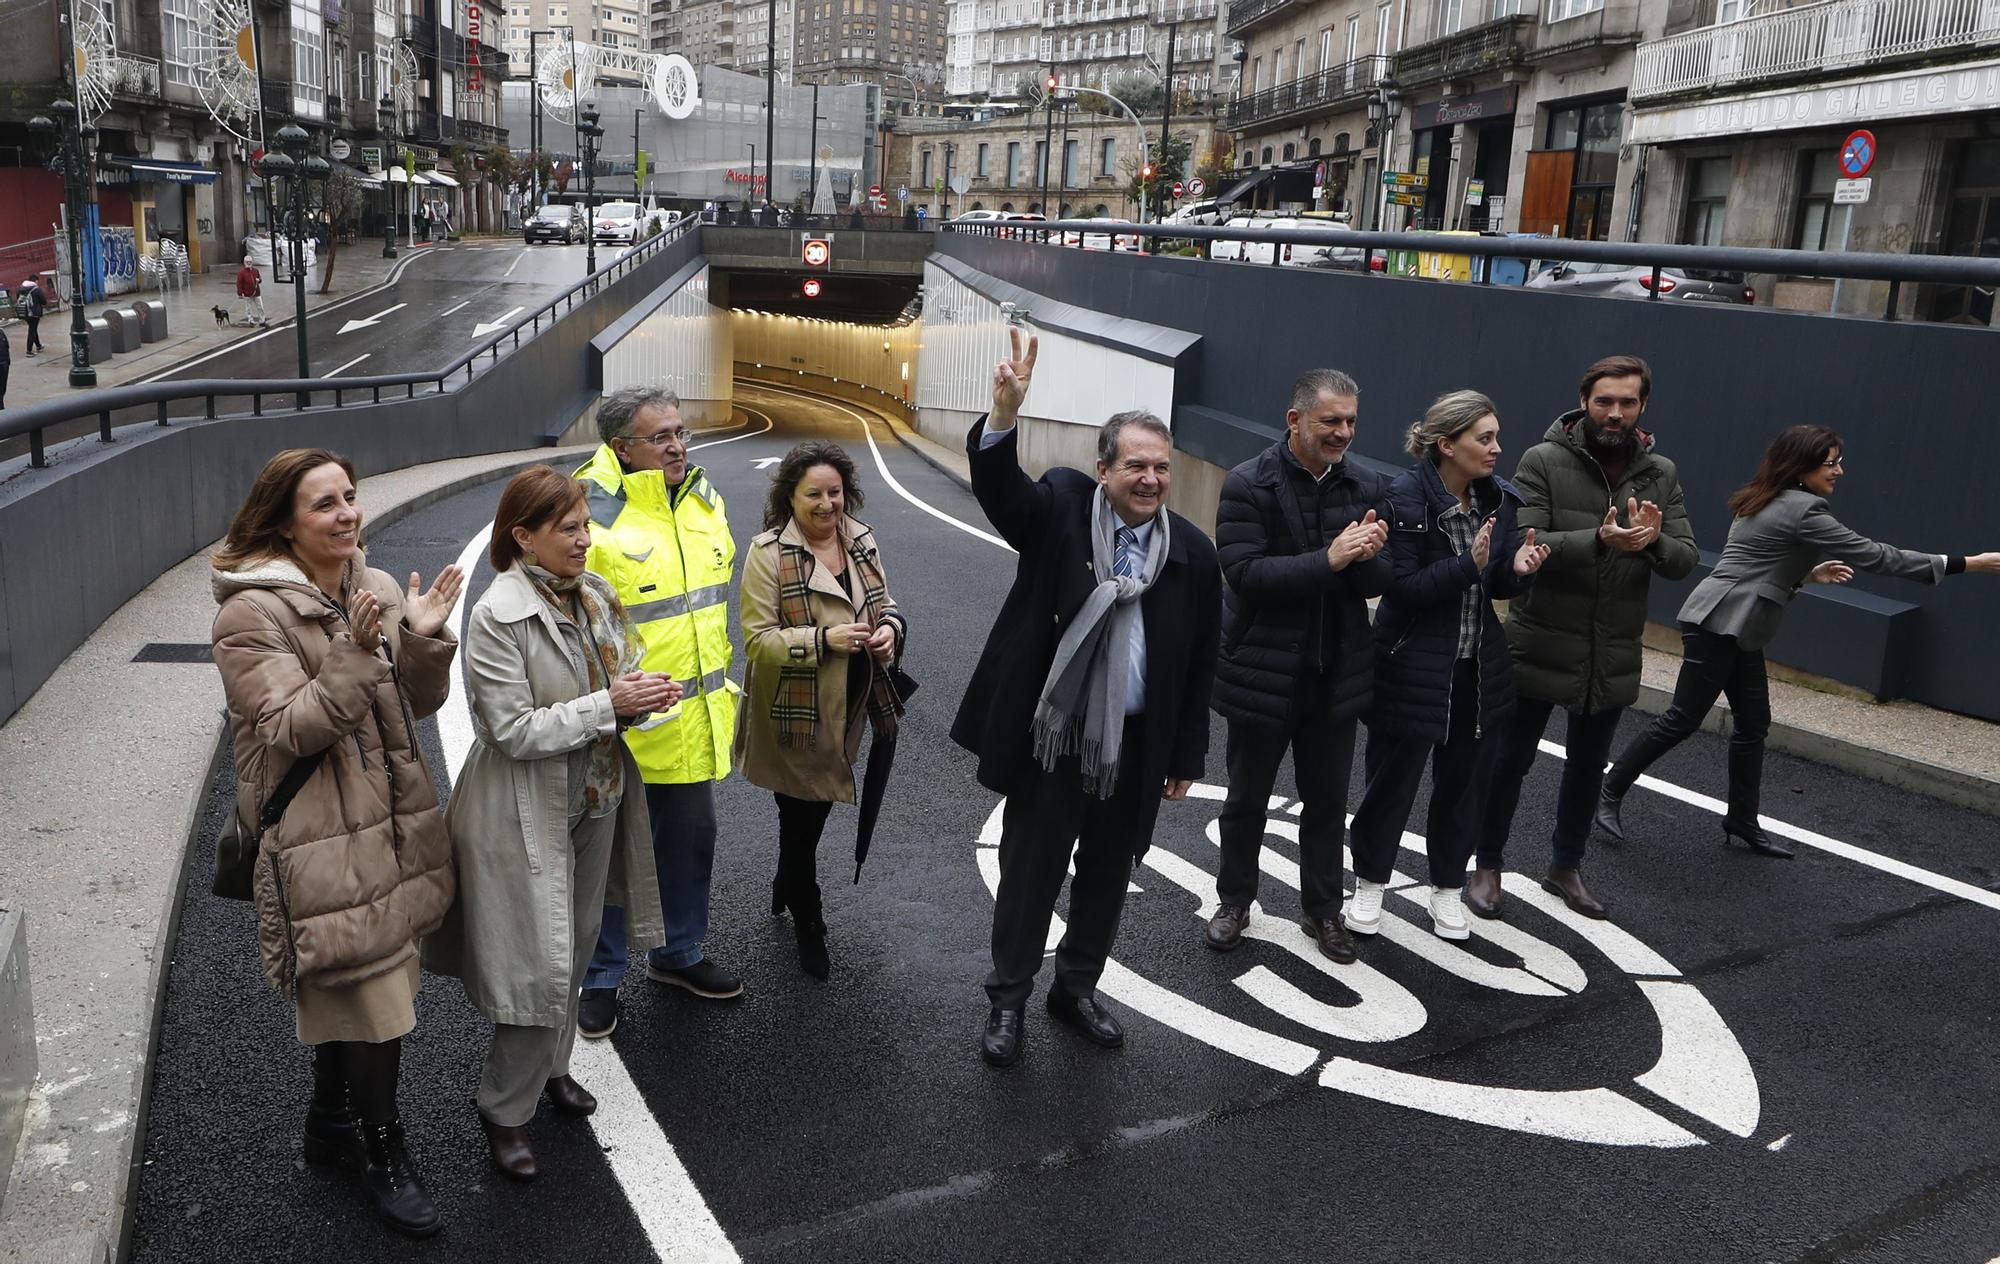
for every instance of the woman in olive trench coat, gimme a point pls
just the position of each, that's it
(530, 891)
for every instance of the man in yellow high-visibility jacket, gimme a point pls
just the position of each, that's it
(658, 535)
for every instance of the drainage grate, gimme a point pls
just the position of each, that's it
(174, 652)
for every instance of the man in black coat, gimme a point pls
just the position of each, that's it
(1090, 701)
(1299, 540)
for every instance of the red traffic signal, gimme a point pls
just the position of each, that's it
(811, 287)
(1146, 172)
(816, 253)
(1050, 83)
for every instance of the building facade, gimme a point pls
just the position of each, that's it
(1089, 160)
(1002, 50)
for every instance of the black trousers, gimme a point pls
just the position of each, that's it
(801, 822)
(1589, 746)
(35, 333)
(1037, 828)
(1461, 767)
(1322, 762)
(1711, 665)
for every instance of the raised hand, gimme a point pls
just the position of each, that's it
(1011, 376)
(1830, 573)
(364, 617)
(427, 611)
(1358, 542)
(1482, 544)
(1529, 557)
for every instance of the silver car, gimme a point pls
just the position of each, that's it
(1624, 280)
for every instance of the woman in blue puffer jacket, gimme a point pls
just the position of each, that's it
(1443, 679)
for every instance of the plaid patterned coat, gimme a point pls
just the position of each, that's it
(822, 769)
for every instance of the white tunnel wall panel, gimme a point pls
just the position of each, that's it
(883, 357)
(1076, 381)
(684, 347)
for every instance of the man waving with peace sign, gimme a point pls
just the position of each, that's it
(1090, 701)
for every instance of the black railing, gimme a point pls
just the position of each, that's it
(1896, 269)
(1244, 14)
(421, 29)
(1490, 46)
(287, 394)
(433, 128)
(277, 99)
(1334, 86)
(481, 133)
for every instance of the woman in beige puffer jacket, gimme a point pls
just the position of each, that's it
(322, 656)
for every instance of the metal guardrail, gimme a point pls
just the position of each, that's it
(35, 419)
(1897, 270)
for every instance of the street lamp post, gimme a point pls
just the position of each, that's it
(588, 130)
(62, 139)
(385, 113)
(1385, 106)
(301, 171)
(1166, 121)
(1048, 135)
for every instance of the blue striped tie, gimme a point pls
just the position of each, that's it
(1126, 564)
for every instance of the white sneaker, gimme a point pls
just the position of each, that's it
(1363, 914)
(1448, 915)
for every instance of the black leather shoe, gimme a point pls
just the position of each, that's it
(1225, 929)
(1482, 892)
(1001, 1045)
(597, 1013)
(1754, 837)
(1605, 818)
(510, 1149)
(704, 978)
(813, 958)
(333, 1138)
(1569, 884)
(1088, 1017)
(569, 1097)
(392, 1181)
(1335, 944)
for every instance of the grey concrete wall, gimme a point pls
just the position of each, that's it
(17, 1038)
(1726, 381)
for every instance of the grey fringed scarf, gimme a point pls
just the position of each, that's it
(1082, 707)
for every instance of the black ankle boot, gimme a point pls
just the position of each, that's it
(812, 945)
(399, 1196)
(1754, 837)
(777, 898)
(1609, 804)
(333, 1131)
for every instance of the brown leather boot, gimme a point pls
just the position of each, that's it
(1568, 883)
(1225, 929)
(569, 1097)
(1335, 944)
(511, 1152)
(1482, 892)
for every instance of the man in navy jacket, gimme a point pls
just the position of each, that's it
(1090, 701)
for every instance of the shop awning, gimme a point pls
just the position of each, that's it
(163, 172)
(1245, 186)
(399, 176)
(369, 180)
(438, 178)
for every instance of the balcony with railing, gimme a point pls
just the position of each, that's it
(1487, 47)
(421, 29)
(1162, 14)
(135, 78)
(1810, 41)
(483, 135)
(1245, 14)
(1347, 84)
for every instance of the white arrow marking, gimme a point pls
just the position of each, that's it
(376, 319)
(481, 330)
(764, 462)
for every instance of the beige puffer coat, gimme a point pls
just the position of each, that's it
(360, 867)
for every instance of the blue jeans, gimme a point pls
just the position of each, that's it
(684, 857)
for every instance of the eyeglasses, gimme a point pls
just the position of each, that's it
(1834, 464)
(675, 435)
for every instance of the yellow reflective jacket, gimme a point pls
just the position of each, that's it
(667, 552)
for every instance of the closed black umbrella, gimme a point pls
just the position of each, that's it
(875, 778)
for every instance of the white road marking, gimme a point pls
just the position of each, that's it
(748, 434)
(449, 310)
(882, 467)
(350, 364)
(1786, 1140)
(367, 321)
(485, 327)
(517, 262)
(1702, 1069)
(764, 462)
(1833, 846)
(1597, 1115)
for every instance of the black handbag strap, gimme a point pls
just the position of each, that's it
(294, 781)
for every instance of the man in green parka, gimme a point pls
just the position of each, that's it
(1609, 507)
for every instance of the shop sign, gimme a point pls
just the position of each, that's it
(1477, 108)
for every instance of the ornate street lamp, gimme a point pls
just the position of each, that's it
(385, 115)
(304, 175)
(62, 142)
(1385, 106)
(588, 132)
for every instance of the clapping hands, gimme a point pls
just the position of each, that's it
(427, 611)
(1645, 519)
(641, 692)
(1529, 557)
(1358, 543)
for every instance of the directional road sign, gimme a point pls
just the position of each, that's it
(1196, 187)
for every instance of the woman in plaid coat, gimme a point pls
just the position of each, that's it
(820, 632)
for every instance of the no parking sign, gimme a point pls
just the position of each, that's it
(1857, 154)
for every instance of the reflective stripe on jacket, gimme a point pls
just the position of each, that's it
(668, 554)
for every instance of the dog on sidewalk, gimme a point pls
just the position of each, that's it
(221, 317)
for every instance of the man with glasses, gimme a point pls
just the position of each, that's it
(659, 536)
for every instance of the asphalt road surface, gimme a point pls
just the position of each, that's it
(1753, 1061)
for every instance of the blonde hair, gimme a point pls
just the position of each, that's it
(1454, 413)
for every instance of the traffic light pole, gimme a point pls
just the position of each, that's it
(1166, 121)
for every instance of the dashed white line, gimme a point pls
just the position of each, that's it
(350, 364)
(449, 310)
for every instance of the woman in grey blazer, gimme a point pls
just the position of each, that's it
(1784, 537)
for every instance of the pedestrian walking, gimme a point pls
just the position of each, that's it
(1299, 537)
(1609, 507)
(423, 222)
(324, 659)
(1090, 701)
(820, 633)
(250, 288)
(1783, 537)
(1443, 682)
(547, 812)
(30, 302)
(660, 537)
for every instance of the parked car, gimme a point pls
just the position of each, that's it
(553, 222)
(616, 221)
(1090, 239)
(1209, 212)
(1623, 280)
(1021, 217)
(981, 217)
(1331, 254)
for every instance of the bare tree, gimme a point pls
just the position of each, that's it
(343, 193)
